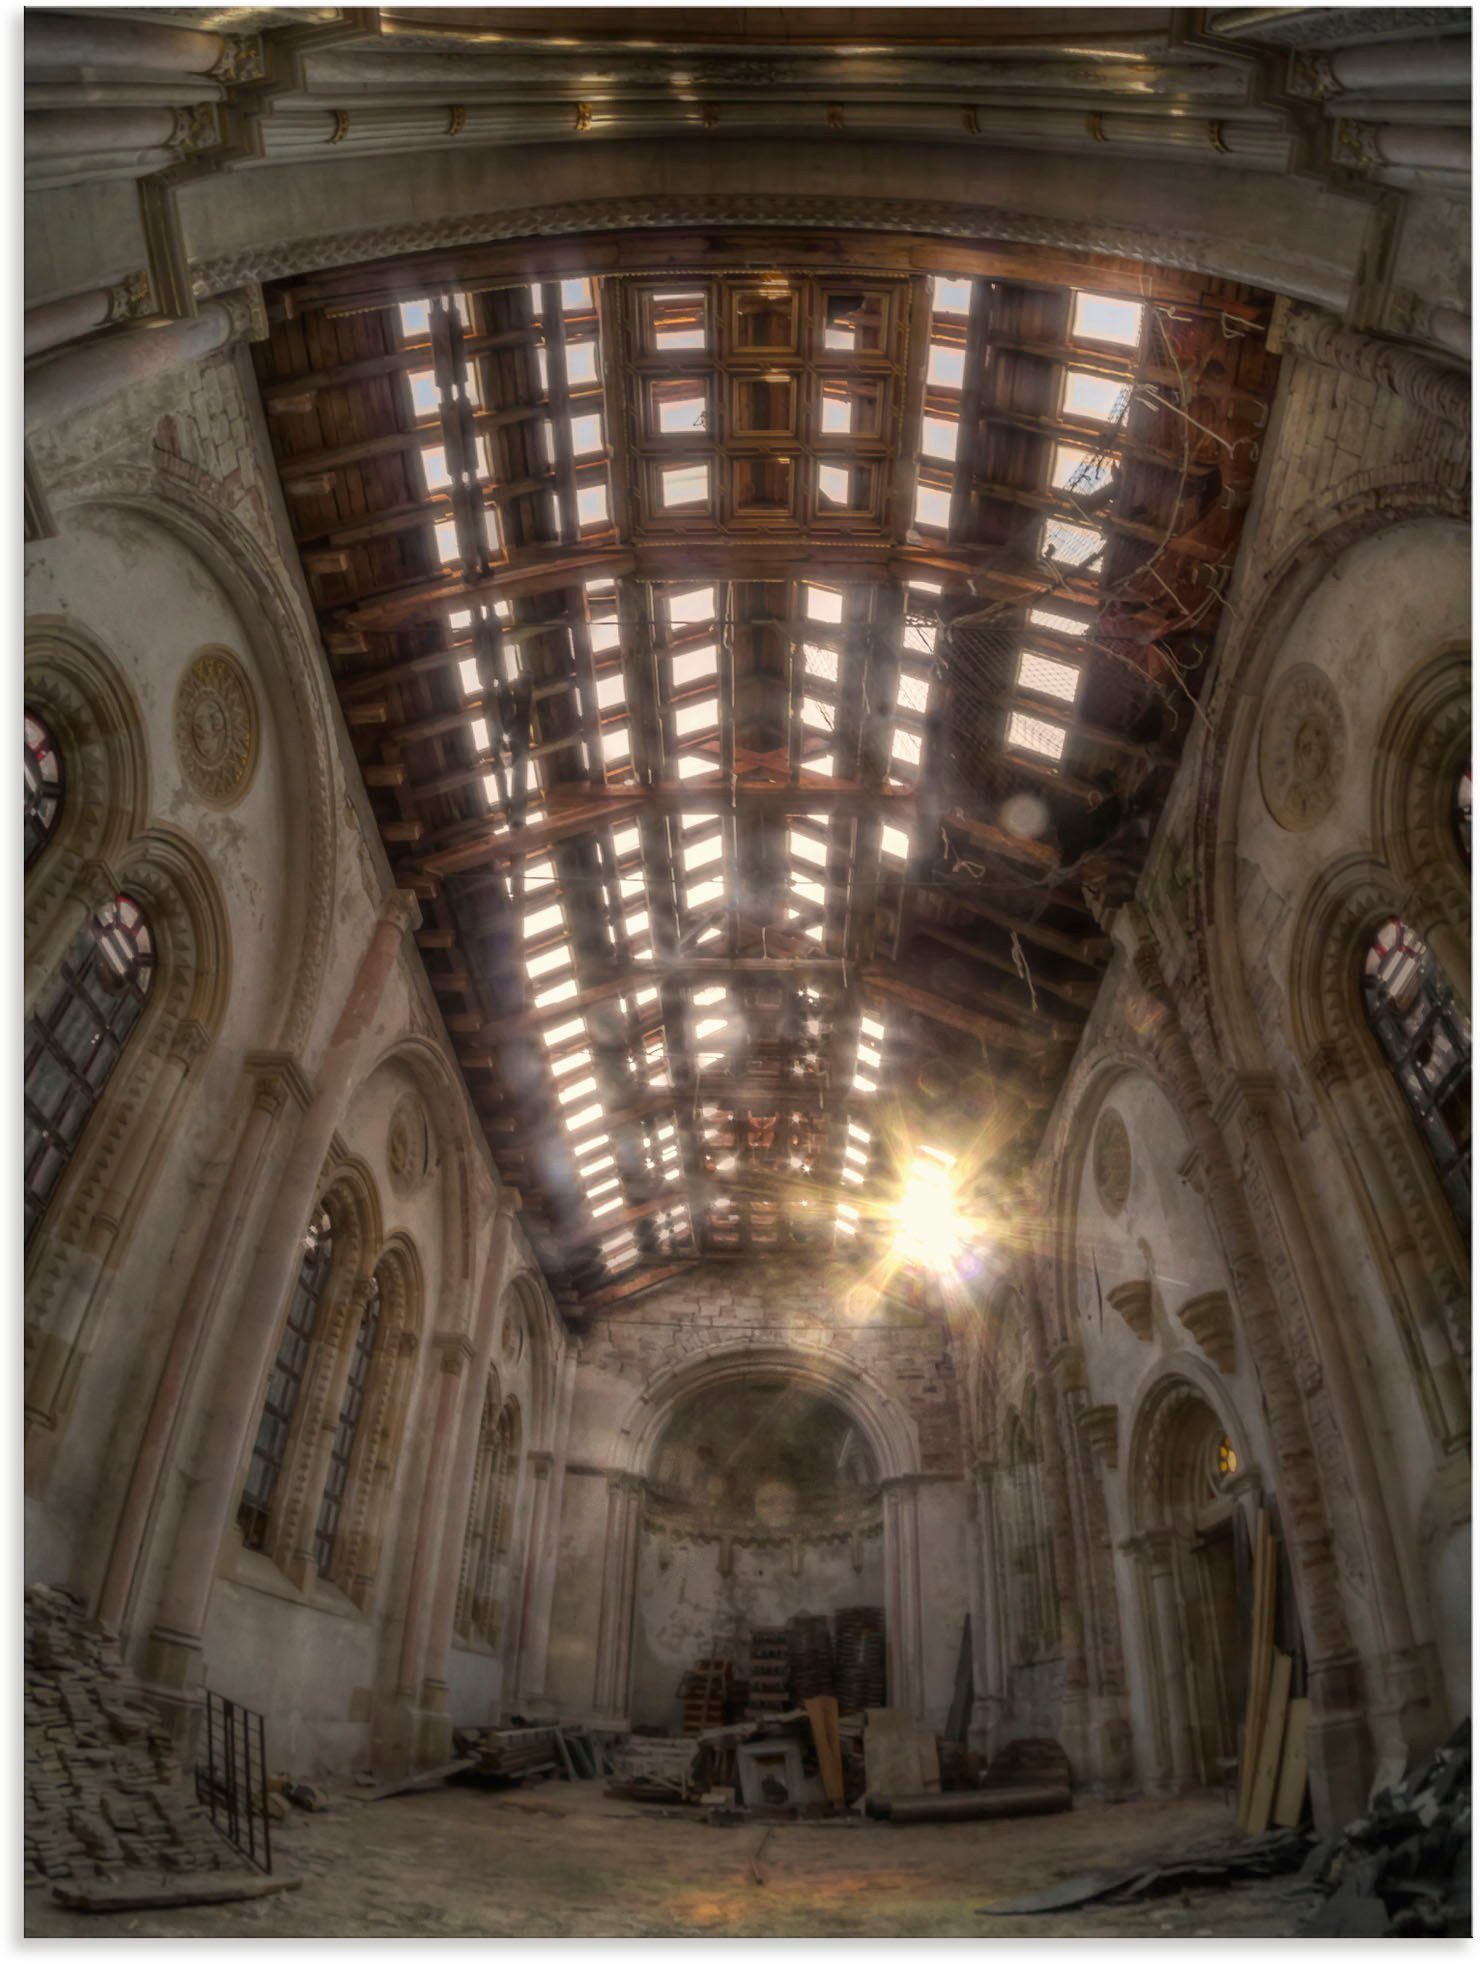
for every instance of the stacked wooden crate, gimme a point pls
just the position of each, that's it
(703, 1693)
(770, 1670)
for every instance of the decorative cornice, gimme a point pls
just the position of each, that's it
(943, 220)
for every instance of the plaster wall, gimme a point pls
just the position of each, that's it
(169, 539)
(688, 1609)
(1162, 1235)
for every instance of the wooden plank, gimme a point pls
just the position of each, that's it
(1267, 1770)
(823, 1715)
(169, 1892)
(1289, 1798)
(1258, 1671)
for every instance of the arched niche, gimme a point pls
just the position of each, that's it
(887, 1438)
(1193, 1496)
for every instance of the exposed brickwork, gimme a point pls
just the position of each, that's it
(817, 1307)
(105, 1795)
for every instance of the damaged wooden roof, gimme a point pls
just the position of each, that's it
(765, 654)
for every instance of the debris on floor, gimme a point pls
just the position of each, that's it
(1403, 1869)
(512, 1753)
(105, 1793)
(1281, 1853)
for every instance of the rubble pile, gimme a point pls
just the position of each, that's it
(1403, 1869)
(105, 1795)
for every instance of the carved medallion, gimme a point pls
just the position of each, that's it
(216, 728)
(407, 1146)
(511, 1342)
(1302, 748)
(1112, 1161)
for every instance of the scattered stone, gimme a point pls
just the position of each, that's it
(1403, 1868)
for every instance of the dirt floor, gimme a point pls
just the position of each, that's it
(560, 1860)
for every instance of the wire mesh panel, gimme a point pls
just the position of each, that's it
(231, 1779)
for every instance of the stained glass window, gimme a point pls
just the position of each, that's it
(76, 1036)
(43, 785)
(1425, 1037)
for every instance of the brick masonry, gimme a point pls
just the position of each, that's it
(810, 1306)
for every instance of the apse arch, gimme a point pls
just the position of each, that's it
(887, 1427)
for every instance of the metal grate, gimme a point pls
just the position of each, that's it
(232, 1780)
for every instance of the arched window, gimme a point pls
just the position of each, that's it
(1026, 1546)
(43, 785)
(286, 1381)
(341, 1453)
(490, 1522)
(1464, 792)
(1426, 1040)
(75, 1037)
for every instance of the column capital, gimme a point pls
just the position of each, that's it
(401, 908)
(507, 1203)
(279, 1077)
(453, 1350)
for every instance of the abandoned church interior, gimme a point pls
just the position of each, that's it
(747, 970)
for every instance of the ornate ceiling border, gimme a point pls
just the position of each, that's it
(956, 221)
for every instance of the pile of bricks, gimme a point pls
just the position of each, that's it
(105, 1794)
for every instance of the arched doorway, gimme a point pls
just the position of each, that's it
(1193, 1498)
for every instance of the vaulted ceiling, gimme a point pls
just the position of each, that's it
(765, 653)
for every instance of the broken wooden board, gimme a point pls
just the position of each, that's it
(823, 1714)
(1267, 1766)
(168, 1892)
(1289, 1795)
(415, 1783)
(891, 1753)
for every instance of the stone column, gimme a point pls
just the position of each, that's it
(448, 1494)
(903, 1631)
(1076, 1723)
(276, 1078)
(103, 41)
(991, 1699)
(545, 1555)
(252, 1339)
(1403, 146)
(1301, 330)
(1339, 1739)
(611, 1688)
(1159, 1556)
(92, 372)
